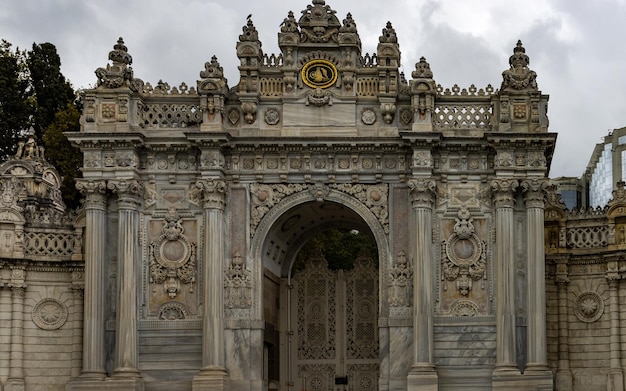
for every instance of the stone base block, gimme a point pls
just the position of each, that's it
(14, 385)
(106, 384)
(564, 380)
(531, 380)
(422, 379)
(211, 379)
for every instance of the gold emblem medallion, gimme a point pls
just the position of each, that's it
(319, 74)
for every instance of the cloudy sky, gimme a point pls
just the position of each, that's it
(576, 47)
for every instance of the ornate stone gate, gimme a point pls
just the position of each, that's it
(198, 199)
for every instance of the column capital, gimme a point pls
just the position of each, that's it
(503, 191)
(93, 190)
(422, 192)
(612, 273)
(534, 192)
(212, 193)
(129, 192)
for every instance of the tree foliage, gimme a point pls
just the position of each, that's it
(51, 91)
(34, 92)
(15, 98)
(340, 248)
(60, 152)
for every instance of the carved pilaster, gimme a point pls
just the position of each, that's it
(77, 287)
(563, 376)
(16, 366)
(95, 245)
(615, 377)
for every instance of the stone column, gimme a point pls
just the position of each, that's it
(615, 379)
(128, 261)
(213, 375)
(423, 375)
(15, 382)
(537, 363)
(563, 372)
(95, 245)
(504, 266)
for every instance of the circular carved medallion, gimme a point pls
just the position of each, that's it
(319, 74)
(49, 314)
(272, 116)
(368, 116)
(589, 307)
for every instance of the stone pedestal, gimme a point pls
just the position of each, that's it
(14, 385)
(116, 383)
(211, 379)
(422, 378)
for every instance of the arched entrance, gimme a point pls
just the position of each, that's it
(327, 319)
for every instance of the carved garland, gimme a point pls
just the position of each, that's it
(265, 197)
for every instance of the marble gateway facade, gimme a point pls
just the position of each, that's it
(176, 274)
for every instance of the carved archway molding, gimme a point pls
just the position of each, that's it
(292, 201)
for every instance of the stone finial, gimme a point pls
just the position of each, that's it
(422, 70)
(119, 73)
(388, 35)
(119, 55)
(212, 69)
(519, 77)
(349, 26)
(289, 25)
(250, 34)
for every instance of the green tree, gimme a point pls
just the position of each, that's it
(340, 247)
(15, 102)
(52, 92)
(60, 152)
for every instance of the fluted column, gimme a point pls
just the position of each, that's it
(534, 194)
(563, 372)
(504, 201)
(128, 261)
(95, 244)
(213, 374)
(422, 375)
(16, 366)
(615, 376)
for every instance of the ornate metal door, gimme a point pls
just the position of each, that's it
(334, 322)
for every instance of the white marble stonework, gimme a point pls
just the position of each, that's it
(176, 273)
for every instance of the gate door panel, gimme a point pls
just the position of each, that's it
(335, 330)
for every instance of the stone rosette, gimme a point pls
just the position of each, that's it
(589, 307)
(49, 314)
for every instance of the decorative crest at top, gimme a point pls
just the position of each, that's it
(120, 73)
(422, 70)
(319, 23)
(212, 78)
(212, 69)
(519, 76)
(289, 25)
(29, 150)
(389, 35)
(250, 34)
(349, 26)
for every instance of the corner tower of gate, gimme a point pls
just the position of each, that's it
(199, 197)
